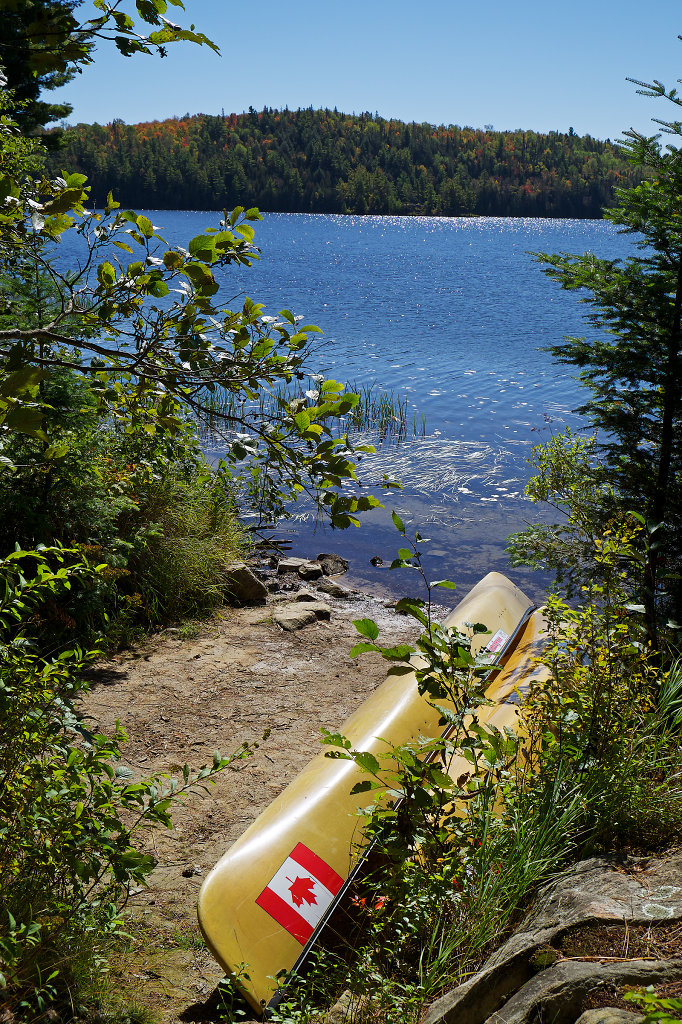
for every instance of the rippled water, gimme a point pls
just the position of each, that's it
(450, 313)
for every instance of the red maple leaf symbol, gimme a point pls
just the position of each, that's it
(302, 891)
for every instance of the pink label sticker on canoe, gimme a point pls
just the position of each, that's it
(497, 642)
(300, 892)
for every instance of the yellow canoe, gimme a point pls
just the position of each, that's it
(263, 904)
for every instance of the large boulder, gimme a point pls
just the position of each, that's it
(332, 565)
(244, 586)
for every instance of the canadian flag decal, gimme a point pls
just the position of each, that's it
(300, 893)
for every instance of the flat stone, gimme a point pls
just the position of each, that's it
(305, 595)
(334, 589)
(291, 564)
(310, 571)
(609, 1015)
(294, 616)
(332, 565)
(322, 610)
(244, 586)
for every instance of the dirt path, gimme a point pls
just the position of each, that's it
(179, 700)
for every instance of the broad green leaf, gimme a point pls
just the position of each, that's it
(367, 627)
(400, 653)
(367, 761)
(246, 231)
(74, 180)
(145, 225)
(302, 420)
(364, 787)
(202, 247)
(412, 607)
(106, 275)
(27, 420)
(20, 380)
(56, 452)
(362, 648)
(397, 522)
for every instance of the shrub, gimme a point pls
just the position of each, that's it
(145, 503)
(71, 815)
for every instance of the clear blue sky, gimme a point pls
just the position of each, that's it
(533, 64)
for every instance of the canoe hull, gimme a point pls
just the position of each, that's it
(264, 902)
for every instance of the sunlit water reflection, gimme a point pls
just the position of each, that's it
(451, 314)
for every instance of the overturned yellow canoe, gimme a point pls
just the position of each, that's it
(265, 901)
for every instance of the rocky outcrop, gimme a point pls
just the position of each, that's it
(531, 980)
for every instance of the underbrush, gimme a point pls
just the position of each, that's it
(141, 502)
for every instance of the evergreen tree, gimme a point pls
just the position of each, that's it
(32, 33)
(632, 366)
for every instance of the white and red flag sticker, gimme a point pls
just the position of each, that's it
(300, 893)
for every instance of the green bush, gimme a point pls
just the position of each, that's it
(71, 814)
(188, 536)
(145, 502)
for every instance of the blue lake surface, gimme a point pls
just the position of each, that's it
(451, 314)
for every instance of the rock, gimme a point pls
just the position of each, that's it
(349, 1008)
(332, 565)
(609, 1015)
(334, 589)
(322, 610)
(561, 990)
(305, 595)
(310, 571)
(296, 615)
(595, 890)
(244, 587)
(290, 564)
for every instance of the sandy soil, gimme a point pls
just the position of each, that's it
(179, 700)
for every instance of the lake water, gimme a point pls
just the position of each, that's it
(451, 314)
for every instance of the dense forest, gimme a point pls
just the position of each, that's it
(323, 161)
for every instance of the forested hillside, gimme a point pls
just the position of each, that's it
(323, 161)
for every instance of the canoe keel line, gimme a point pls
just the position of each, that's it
(264, 904)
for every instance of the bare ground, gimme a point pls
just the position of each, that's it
(179, 700)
